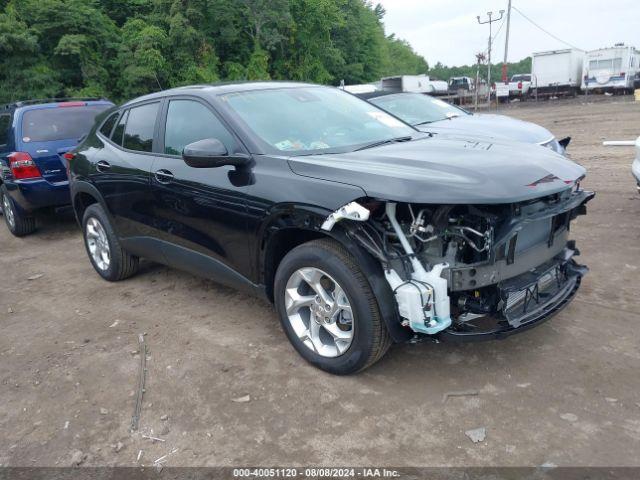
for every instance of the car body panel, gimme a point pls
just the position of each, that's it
(444, 170)
(491, 126)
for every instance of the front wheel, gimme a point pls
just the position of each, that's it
(328, 310)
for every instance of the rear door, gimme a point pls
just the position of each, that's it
(46, 132)
(120, 170)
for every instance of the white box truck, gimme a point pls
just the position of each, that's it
(613, 69)
(557, 72)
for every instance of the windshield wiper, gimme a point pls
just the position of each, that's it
(423, 123)
(385, 142)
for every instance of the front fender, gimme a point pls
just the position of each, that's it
(305, 222)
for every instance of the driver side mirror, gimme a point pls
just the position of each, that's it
(211, 153)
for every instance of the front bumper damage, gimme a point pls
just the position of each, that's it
(523, 271)
(525, 301)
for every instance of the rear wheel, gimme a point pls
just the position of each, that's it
(108, 258)
(328, 310)
(18, 223)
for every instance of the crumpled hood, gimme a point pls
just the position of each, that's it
(491, 126)
(446, 170)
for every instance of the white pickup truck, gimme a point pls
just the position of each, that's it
(520, 85)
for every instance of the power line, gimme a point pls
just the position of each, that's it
(544, 30)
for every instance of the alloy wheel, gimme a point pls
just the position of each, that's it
(319, 312)
(7, 210)
(98, 244)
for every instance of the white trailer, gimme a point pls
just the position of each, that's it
(557, 72)
(414, 84)
(615, 69)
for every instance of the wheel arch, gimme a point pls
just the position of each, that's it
(84, 194)
(296, 226)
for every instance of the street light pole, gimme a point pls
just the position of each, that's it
(490, 22)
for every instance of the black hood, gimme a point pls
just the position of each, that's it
(445, 170)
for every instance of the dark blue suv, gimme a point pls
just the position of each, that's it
(34, 137)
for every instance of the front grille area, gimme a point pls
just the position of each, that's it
(529, 295)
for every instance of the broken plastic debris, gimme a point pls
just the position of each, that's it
(244, 399)
(477, 434)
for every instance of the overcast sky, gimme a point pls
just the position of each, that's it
(447, 30)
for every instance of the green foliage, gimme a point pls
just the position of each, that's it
(125, 48)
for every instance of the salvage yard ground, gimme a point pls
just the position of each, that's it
(224, 386)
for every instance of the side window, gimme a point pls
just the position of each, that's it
(189, 121)
(119, 130)
(5, 122)
(107, 126)
(138, 134)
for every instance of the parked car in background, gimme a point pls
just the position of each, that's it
(461, 83)
(433, 115)
(34, 137)
(557, 72)
(361, 229)
(520, 85)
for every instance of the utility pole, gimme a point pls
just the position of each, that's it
(479, 61)
(506, 44)
(490, 22)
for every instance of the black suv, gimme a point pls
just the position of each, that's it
(361, 229)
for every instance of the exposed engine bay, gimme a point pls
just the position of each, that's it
(472, 269)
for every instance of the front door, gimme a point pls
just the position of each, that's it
(199, 212)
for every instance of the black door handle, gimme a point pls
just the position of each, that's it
(102, 166)
(164, 176)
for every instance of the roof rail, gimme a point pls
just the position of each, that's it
(23, 103)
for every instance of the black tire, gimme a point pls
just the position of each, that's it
(370, 338)
(122, 265)
(17, 223)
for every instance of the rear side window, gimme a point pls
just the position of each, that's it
(118, 133)
(59, 123)
(5, 122)
(107, 126)
(138, 134)
(189, 121)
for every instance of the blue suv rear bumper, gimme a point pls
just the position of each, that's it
(37, 193)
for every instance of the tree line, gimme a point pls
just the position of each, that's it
(124, 48)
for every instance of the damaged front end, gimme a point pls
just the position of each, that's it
(472, 271)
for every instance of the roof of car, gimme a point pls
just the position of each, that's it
(221, 88)
(51, 102)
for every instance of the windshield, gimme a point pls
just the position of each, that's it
(416, 109)
(521, 78)
(314, 119)
(59, 123)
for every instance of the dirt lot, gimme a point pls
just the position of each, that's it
(565, 393)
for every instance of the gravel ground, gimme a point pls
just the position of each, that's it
(565, 393)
